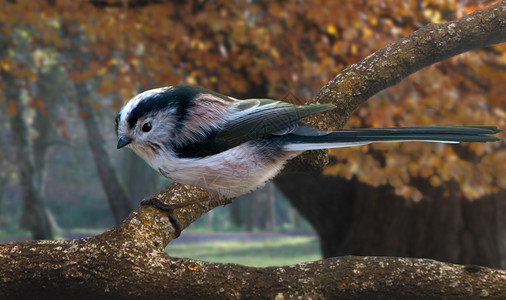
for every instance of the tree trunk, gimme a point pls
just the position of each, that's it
(250, 211)
(294, 218)
(3, 181)
(142, 180)
(34, 211)
(119, 200)
(352, 218)
(270, 209)
(237, 214)
(48, 89)
(261, 209)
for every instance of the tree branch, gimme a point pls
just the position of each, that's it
(129, 260)
(388, 66)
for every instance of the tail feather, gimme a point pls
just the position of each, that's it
(357, 137)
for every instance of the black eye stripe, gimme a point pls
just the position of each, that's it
(178, 97)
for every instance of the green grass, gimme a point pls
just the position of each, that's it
(18, 233)
(264, 253)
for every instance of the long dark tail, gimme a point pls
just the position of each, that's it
(357, 137)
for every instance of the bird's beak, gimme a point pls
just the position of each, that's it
(123, 141)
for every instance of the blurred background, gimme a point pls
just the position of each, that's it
(68, 66)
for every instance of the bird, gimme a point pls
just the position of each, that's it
(231, 146)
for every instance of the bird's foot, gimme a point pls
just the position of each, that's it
(167, 208)
(171, 207)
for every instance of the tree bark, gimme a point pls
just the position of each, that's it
(129, 261)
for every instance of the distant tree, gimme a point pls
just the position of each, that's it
(35, 214)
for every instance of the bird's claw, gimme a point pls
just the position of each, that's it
(166, 208)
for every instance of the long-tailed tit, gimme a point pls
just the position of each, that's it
(230, 147)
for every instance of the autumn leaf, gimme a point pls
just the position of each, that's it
(12, 108)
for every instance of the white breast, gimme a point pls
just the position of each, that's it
(229, 174)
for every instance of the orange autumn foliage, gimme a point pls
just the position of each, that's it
(235, 47)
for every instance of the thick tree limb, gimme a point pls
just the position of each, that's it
(129, 260)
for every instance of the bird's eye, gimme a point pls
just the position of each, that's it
(146, 126)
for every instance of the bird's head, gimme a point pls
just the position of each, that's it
(159, 119)
(148, 121)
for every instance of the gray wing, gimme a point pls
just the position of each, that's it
(253, 119)
(257, 118)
